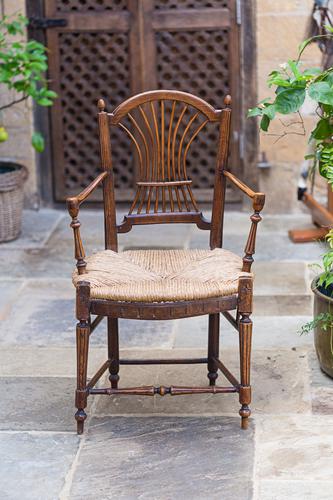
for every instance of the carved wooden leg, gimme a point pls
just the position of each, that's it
(113, 351)
(82, 345)
(213, 346)
(245, 337)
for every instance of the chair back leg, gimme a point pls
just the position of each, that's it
(113, 351)
(213, 346)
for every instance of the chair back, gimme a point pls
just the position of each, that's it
(162, 125)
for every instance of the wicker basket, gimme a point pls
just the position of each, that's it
(12, 178)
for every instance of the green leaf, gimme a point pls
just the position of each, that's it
(38, 142)
(279, 81)
(280, 89)
(309, 157)
(329, 78)
(264, 123)
(270, 111)
(51, 94)
(254, 112)
(289, 100)
(321, 92)
(293, 65)
(312, 71)
(322, 130)
(328, 28)
(265, 101)
(44, 101)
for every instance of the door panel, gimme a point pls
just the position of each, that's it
(115, 48)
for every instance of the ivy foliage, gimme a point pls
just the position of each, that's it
(22, 68)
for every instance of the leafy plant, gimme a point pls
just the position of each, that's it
(22, 68)
(293, 84)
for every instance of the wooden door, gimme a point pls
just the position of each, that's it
(115, 48)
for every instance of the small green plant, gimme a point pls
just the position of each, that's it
(292, 84)
(22, 68)
(324, 320)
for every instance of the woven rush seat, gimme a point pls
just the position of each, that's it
(162, 275)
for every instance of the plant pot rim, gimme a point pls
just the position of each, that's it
(315, 290)
(13, 164)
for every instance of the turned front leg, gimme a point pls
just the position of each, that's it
(82, 345)
(245, 337)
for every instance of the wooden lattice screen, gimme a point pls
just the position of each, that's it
(115, 48)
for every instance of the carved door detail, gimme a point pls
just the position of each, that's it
(115, 48)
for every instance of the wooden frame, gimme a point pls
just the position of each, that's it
(155, 214)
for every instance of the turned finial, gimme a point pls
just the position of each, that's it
(101, 105)
(227, 100)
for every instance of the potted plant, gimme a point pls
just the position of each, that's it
(22, 67)
(293, 83)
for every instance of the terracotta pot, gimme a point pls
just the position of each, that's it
(323, 339)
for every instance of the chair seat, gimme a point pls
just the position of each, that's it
(162, 275)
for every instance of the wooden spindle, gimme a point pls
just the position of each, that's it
(73, 208)
(258, 204)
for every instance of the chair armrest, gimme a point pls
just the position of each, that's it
(258, 205)
(74, 202)
(258, 198)
(73, 205)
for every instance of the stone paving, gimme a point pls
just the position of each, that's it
(160, 448)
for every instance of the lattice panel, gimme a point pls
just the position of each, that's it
(191, 4)
(197, 62)
(92, 65)
(90, 5)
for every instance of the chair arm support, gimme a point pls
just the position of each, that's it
(258, 205)
(73, 205)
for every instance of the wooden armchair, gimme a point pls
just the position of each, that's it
(163, 284)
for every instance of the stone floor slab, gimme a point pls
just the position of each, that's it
(270, 246)
(268, 331)
(273, 391)
(17, 361)
(293, 448)
(130, 376)
(37, 227)
(295, 490)
(44, 315)
(165, 458)
(34, 466)
(8, 293)
(283, 305)
(37, 404)
(321, 388)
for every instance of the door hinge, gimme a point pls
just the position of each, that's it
(44, 23)
(239, 12)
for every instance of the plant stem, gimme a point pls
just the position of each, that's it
(15, 101)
